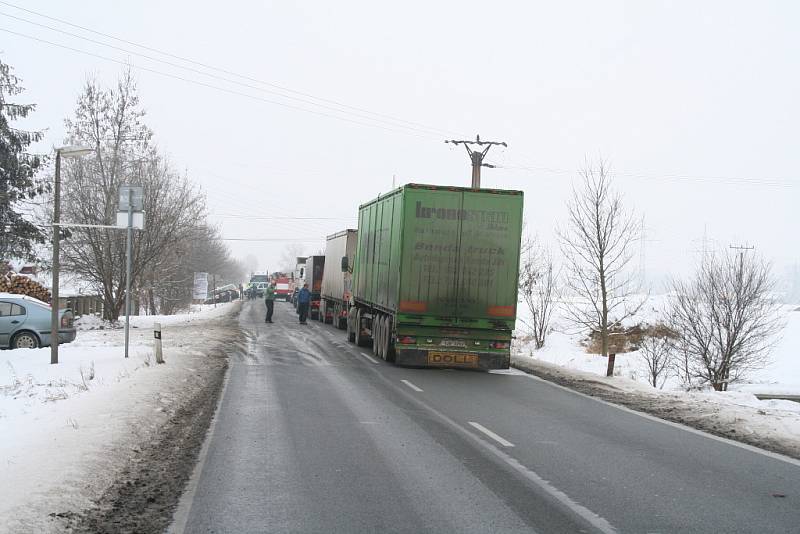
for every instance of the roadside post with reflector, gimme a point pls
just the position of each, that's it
(157, 343)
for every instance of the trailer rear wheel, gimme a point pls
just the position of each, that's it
(377, 334)
(361, 340)
(386, 337)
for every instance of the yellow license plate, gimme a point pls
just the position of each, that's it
(461, 359)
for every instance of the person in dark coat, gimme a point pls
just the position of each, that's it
(303, 302)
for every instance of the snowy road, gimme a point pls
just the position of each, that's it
(315, 435)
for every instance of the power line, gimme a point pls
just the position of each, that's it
(221, 78)
(417, 125)
(283, 218)
(275, 239)
(770, 182)
(211, 86)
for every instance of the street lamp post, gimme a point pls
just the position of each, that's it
(65, 152)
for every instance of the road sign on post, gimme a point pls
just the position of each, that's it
(131, 201)
(131, 196)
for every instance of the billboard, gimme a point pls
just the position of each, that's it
(200, 288)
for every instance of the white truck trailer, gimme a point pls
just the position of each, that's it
(336, 280)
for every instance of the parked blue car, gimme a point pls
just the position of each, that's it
(25, 323)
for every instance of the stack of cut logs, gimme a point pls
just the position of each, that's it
(22, 285)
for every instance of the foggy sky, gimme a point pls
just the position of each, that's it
(694, 105)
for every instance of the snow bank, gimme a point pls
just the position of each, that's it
(58, 422)
(771, 420)
(197, 312)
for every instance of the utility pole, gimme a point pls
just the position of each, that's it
(476, 156)
(741, 249)
(55, 320)
(129, 247)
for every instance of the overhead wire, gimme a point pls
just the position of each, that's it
(418, 127)
(394, 123)
(665, 177)
(210, 67)
(216, 87)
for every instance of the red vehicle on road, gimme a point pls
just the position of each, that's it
(283, 289)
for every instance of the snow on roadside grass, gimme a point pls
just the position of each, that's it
(196, 312)
(55, 420)
(760, 420)
(781, 375)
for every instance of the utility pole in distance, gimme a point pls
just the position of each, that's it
(477, 155)
(741, 249)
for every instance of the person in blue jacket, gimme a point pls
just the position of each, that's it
(303, 301)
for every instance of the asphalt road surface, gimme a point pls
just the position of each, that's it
(315, 435)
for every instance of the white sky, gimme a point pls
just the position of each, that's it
(695, 105)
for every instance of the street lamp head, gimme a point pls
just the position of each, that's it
(74, 151)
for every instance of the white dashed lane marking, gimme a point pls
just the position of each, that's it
(502, 441)
(412, 386)
(370, 358)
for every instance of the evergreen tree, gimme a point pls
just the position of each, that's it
(18, 184)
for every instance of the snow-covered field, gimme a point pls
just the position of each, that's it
(772, 420)
(62, 425)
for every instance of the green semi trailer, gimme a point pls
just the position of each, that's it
(435, 276)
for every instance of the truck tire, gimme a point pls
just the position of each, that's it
(361, 340)
(376, 336)
(339, 321)
(385, 337)
(388, 346)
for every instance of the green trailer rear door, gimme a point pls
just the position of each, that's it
(431, 232)
(488, 260)
(460, 253)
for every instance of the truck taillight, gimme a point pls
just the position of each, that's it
(407, 340)
(499, 344)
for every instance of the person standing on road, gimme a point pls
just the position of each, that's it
(269, 300)
(303, 301)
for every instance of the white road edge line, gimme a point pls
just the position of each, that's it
(502, 441)
(367, 356)
(181, 516)
(412, 386)
(745, 446)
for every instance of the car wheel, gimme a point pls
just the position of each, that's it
(25, 340)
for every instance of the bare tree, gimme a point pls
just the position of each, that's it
(202, 251)
(597, 245)
(657, 353)
(111, 121)
(538, 287)
(727, 317)
(289, 257)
